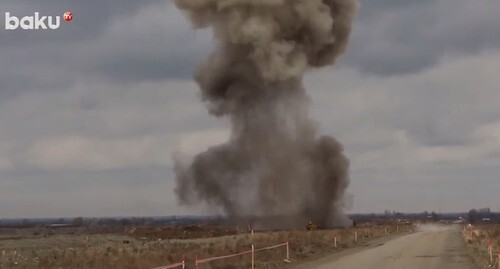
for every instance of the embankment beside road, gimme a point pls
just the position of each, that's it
(483, 242)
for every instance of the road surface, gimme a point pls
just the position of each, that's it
(433, 247)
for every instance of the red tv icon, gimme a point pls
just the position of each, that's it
(68, 16)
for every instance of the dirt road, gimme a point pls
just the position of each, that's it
(432, 247)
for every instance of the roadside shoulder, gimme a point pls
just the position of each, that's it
(314, 261)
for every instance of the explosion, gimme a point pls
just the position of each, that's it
(275, 163)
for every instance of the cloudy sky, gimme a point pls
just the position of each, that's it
(91, 114)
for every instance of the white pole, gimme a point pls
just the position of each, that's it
(287, 251)
(490, 251)
(385, 230)
(355, 236)
(335, 241)
(253, 256)
(183, 261)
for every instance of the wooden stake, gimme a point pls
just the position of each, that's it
(253, 256)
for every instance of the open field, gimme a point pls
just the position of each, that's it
(148, 247)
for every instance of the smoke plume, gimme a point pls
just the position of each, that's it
(275, 163)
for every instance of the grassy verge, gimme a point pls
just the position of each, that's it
(118, 251)
(478, 239)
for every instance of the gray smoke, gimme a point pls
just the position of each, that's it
(274, 164)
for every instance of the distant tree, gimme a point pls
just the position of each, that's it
(100, 221)
(473, 215)
(77, 221)
(426, 214)
(387, 213)
(138, 221)
(125, 222)
(434, 216)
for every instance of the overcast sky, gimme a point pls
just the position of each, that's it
(91, 114)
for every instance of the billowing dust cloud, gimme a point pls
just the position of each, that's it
(275, 163)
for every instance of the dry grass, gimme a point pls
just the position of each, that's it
(478, 239)
(109, 251)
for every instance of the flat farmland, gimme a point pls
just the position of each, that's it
(149, 247)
